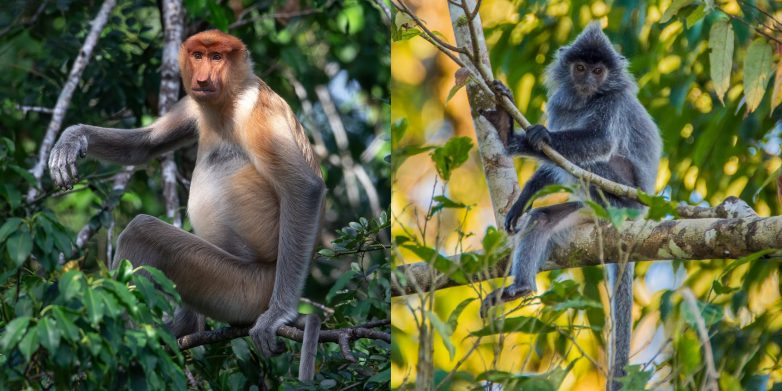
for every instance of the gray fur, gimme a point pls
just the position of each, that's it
(603, 128)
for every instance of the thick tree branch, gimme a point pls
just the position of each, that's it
(173, 18)
(690, 239)
(340, 336)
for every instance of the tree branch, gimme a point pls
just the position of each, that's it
(340, 336)
(687, 239)
(64, 100)
(173, 18)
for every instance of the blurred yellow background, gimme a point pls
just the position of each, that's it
(667, 63)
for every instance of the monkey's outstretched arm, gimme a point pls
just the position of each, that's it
(124, 146)
(300, 191)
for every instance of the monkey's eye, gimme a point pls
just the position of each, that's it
(198, 55)
(597, 71)
(580, 68)
(217, 56)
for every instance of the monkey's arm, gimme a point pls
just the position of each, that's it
(543, 177)
(578, 145)
(124, 146)
(300, 191)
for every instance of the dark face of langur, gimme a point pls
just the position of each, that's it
(587, 78)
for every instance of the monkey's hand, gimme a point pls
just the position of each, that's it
(501, 90)
(538, 136)
(62, 160)
(264, 332)
(502, 295)
(512, 218)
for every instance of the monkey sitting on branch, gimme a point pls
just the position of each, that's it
(596, 122)
(256, 196)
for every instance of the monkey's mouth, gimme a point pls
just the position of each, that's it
(586, 90)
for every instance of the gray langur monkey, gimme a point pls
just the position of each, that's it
(595, 121)
(256, 196)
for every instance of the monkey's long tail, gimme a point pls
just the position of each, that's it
(621, 283)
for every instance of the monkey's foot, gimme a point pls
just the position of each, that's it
(503, 295)
(501, 89)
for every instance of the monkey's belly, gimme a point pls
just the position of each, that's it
(235, 210)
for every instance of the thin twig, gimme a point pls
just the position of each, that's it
(482, 76)
(289, 332)
(64, 100)
(703, 333)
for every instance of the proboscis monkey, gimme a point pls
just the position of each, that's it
(256, 194)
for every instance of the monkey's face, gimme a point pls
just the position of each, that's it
(587, 78)
(206, 79)
(210, 62)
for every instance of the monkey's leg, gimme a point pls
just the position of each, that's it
(210, 280)
(186, 321)
(540, 229)
(544, 176)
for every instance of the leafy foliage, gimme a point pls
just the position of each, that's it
(299, 47)
(74, 331)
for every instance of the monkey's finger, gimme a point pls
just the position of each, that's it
(57, 171)
(74, 173)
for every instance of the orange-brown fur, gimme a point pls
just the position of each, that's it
(256, 194)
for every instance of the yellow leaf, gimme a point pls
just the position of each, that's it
(757, 70)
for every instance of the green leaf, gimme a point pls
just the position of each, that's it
(24, 174)
(635, 378)
(520, 324)
(49, 334)
(65, 324)
(165, 284)
(62, 241)
(444, 330)
(94, 307)
(757, 71)
(381, 377)
(8, 227)
(598, 209)
(674, 8)
(438, 261)
(19, 246)
(729, 383)
(443, 202)
(579, 303)
(721, 56)
(124, 271)
(29, 343)
(14, 331)
(666, 305)
(696, 15)
(659, 207)
(123, 294)
(453, 318)
(721, 289)
(451, 155)
(711, 314)
(776, 95)
(71, 284)
(327, 252)
(341, 282)
(398, 130)
(617, 216)
(688, 353)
